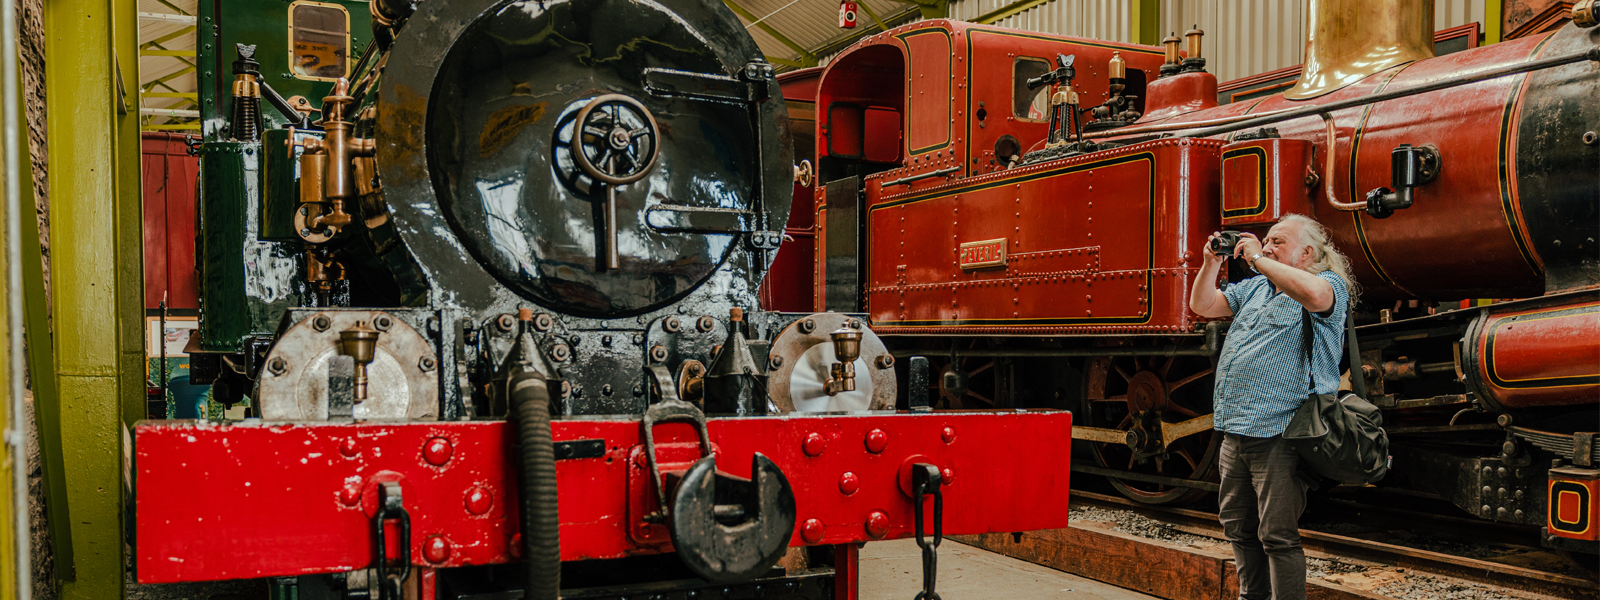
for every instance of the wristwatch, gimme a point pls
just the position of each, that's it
(1252, 261)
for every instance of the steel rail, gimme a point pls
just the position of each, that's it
(15, 436)
(1427, 561)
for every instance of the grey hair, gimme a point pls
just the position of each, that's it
(1326, 257)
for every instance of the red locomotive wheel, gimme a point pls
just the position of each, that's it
(1134, 393)
(967, 382)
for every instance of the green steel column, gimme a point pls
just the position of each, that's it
(1145, 22)
(90, 247)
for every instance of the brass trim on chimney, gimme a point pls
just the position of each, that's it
(1349, 40)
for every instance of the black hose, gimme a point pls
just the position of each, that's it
(541, 535)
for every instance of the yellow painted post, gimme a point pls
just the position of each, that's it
(95, 245)
(1144, 22)
(1494, 21)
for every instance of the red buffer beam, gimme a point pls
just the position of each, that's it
(258, 500)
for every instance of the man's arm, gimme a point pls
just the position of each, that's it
(1204, 297)
(1311, 291)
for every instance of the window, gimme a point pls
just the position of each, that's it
(1026, 104)
(319, 41)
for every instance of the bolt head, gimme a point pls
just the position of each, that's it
(543, 322)
(849, 483)
(948, 434)
(560, 352)
(436, 549)
(671, 324)
(807, 326)
(383, 323)
(877, 524)
(437, 451)
(350, 448)
(658, 354)
(277, 366)
(877, 440)
(427, 364)
(321, 322)
(947, 476)
(605, 390)
(811, 531)
(814, 444)
(350, 494)
(775, 363)
(705, 324)
(505, 322)
(478, 501)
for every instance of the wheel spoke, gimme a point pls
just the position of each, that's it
(980, 397)
(1190, 379)
(1166, 367)
(1193, 464)
(1124, 374)
(1126, 421)
(980, 369)
(1181, 410)
(1122, 398)
(635, 134)
(594, 131)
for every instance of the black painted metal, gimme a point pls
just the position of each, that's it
(482, 152)
(842, 278)
(1558, 175)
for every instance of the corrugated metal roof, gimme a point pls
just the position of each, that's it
(161, 28)
(812, 25)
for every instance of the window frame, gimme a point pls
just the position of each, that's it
(294, 70)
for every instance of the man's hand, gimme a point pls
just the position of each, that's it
(1204, 297)
(1249, 245)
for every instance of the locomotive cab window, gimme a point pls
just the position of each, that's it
(1026, 104)
(319, 41)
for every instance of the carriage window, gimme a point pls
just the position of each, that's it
(320, 41)
(1026, 104)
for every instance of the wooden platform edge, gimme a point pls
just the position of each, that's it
(1154, 567)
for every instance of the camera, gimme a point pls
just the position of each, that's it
(1224, 242)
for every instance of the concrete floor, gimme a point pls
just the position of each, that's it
(893, 571)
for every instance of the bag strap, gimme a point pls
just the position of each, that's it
(1358, 380)
(1305, 342)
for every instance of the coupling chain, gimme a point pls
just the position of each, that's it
(925, 481)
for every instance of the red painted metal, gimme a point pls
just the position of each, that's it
(259, 500)
(1179, 94)
(1527, 357)
(1574, 501)
(169, 205)
(790, 279)
(1263, 180)
(846, 574)
(1096, 243)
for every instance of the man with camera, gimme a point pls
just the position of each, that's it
(1262, 376)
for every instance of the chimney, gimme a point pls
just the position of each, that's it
(1347, 40)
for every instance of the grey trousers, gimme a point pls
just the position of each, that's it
(1262, 498)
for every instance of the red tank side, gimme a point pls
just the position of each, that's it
(1092, 244)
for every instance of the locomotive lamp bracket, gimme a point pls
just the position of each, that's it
(1410, 167)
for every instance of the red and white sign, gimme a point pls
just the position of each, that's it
(847, 15)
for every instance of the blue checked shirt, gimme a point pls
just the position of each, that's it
(1261, 376)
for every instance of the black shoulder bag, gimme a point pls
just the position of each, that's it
(1339, 438)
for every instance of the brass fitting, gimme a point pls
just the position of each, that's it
(359, 343)
(846, 348)
(1194, 36)
(1170, 48)
(1583, 14)
(339, 148)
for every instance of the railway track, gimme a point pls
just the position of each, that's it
(1350, 549)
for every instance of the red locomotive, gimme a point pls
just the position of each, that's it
(1030, 207)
